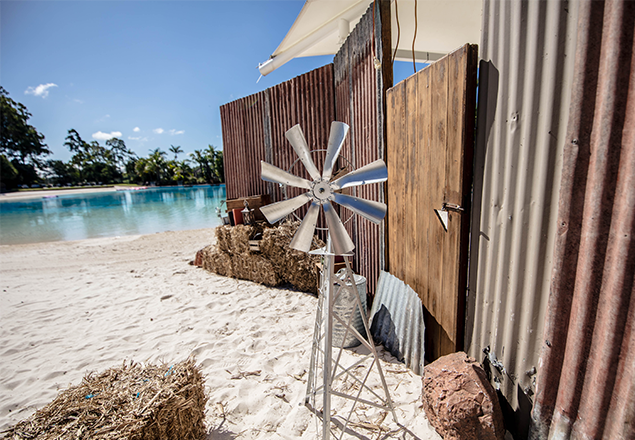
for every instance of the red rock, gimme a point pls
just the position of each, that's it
(459, 401)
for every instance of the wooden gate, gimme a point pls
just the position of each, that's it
(430, 139)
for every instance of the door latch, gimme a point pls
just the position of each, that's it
(442, 214)
(451, 207)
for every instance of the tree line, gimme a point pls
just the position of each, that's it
(23, 158)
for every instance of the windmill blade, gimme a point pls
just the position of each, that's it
(374, 172)
(336, 140)
(370, 210)
(279, 210)
(304, 235)
(271, 173)
(298, 142)
(342, 243)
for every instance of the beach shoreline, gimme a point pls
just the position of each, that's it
(75, 307)
(38, 194)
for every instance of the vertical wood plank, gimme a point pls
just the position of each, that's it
(438, 115)
(457, 64)
(409, 173)
(423, 179)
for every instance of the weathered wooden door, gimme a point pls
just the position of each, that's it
(429, 152)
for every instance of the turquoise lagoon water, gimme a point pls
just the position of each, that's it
(109, 214)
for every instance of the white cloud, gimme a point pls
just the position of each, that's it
(41, 90)
(158, 130)
(100, 136)
(175, 132)
(138, 138)
(136, 129)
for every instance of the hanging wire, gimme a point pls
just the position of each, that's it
(414, 64)
(398, 34)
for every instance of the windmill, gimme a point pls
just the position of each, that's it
(322, 191)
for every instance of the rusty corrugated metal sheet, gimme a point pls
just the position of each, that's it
(311, 100)
(586, 381)
(524, 90)
(306, 100)
(397, 321)
(358, 95)
(244, 145)
(254, 127)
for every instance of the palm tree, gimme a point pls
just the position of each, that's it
(215, 158)
(176, 150)
(156, 163)
(201, 158)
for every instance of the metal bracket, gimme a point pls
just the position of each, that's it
(443, 215)
(451, 207)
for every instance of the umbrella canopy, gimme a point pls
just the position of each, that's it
(323, 25)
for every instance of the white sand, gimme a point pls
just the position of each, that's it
(70, 308)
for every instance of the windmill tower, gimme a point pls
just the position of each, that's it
(322, 191)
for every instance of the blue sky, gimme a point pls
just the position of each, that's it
(153, 73)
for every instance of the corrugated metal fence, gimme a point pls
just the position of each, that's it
(244, 144)
(524, 84)
(349, 91)
(359, 103)
(586, 384)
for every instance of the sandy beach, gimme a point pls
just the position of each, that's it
(70, 308)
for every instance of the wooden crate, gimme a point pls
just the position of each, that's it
(255, 202)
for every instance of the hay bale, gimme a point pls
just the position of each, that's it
(256, 268)
(240, 239)
(276, 264)
(224, 238)
(234, 240)
(134, 402)
(292, 266)
(216, 261)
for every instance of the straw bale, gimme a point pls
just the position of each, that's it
(217, 261)
(240, 239)
(223, 238)
(234, 240)
(276, 264)
(134, 402)
(292, 266)
(256, 268)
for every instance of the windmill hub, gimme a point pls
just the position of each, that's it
(322, 191)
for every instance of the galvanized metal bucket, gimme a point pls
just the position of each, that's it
(344, 305)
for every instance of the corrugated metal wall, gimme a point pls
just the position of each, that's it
(525, 80)
(244, 145)
(586, 382)
(254, 128)
(359, 95)
(307, 100)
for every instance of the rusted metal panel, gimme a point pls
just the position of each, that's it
(524, 87)
(586, 381)
(397, 321)
(351, 90)
(359, 94)
(243, 145)
(254, 127)
(306, 100)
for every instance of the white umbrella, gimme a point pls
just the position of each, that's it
(323, 25)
